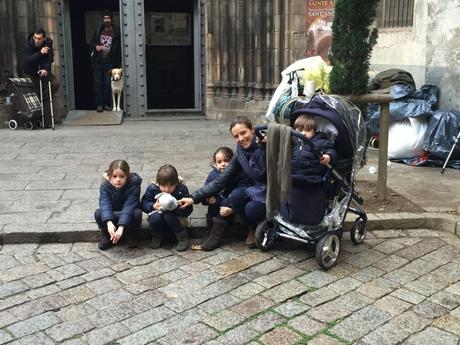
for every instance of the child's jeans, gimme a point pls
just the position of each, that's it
(131, 229)
(214, 209)
(165, 221)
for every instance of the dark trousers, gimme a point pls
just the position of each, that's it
(162, 222)
(251, 212)
(131, 229)
(214, 209)
(101, 80)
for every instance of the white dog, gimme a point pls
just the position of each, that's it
(117, 88)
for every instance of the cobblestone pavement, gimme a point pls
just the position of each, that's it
(397, 287)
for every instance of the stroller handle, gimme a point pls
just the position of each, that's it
(261, 128)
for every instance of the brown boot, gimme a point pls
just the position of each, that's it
(214, 238)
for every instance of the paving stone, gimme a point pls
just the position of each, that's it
(195, 334)
(32, 325)
(367, 274)
(195, 267)
(280, 336)
(421, 266)
(43, 291)
(386, 335)
(6, 319)
(112, 298)
(12, 288)
(78, 294)
(5, 337)
(285, 291)
(39, 306)
(238, 335)
(291, 308)
(265, 322)
(353, 301)
(34, 339)
(389, 247)
(430, 310)
(432, 335)
(449, 323)
(373, 290)
(65, 272)
(104, 285)
(421, 248)
(20, 272)
(105, 335)
(367, 318)
(247, 290)
(144, 336)
(8, 261)
(147, 318)
(449, 272)
(94, 275)
(54, 248)
(426, 285)
(75, 312)
(319, 296)
(306, 325)
(317, 279)
(219, 303)
(278, 277)
(323, 339)
(391, 263)
(365, 258)
(409, 296)
(329, 312)
(69, 329)
(446, 299)
(252, 306)
(410, 322)
(345, 285)
(401, 276)
(241, 263)
(392, 305)
(224, 320)
(70, 283)
(269, 266)
(220, 258)
(38, 280)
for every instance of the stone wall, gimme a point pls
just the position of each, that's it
(429, 49)
(18, 18)
(249, 43)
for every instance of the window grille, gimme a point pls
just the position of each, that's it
(395, 13)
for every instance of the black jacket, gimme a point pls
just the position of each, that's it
(148, 199)
(115, 48)
(125, 199)
(33, 60)
(306, 168)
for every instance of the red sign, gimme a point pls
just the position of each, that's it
(320, 14)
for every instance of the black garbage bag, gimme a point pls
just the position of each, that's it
(440, 135)
(420, 102)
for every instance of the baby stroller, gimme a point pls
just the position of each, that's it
(343, 124)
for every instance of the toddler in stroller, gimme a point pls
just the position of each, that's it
(342, 124)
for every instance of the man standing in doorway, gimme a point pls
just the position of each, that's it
(105, 55)
(38, 55)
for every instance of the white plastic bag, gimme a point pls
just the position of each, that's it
(405, 138)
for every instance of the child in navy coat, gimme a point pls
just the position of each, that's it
(160, 221)
(308, 199)
(220, 212)
(118, 214)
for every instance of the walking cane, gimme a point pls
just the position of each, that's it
(51, 105)
(450, 153)
(41, 103)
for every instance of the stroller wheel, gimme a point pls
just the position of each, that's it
(13, 124)
(327, 251)
(265, 235)
(29, 125)
(358, 231)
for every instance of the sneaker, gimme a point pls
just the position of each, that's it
(105, 243)
(99, 108)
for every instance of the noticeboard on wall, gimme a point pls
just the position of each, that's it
(172, 29)
(319, 17)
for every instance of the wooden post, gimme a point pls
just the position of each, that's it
(384, 101)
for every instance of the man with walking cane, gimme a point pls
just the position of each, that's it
(38, 55)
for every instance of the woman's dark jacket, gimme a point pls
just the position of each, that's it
(125, 199)
(115, 49)
(148, 199)
(250, 162)
(34, 59)
(306, 168)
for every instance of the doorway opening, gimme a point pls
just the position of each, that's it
(170, 56)
(85, 18)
